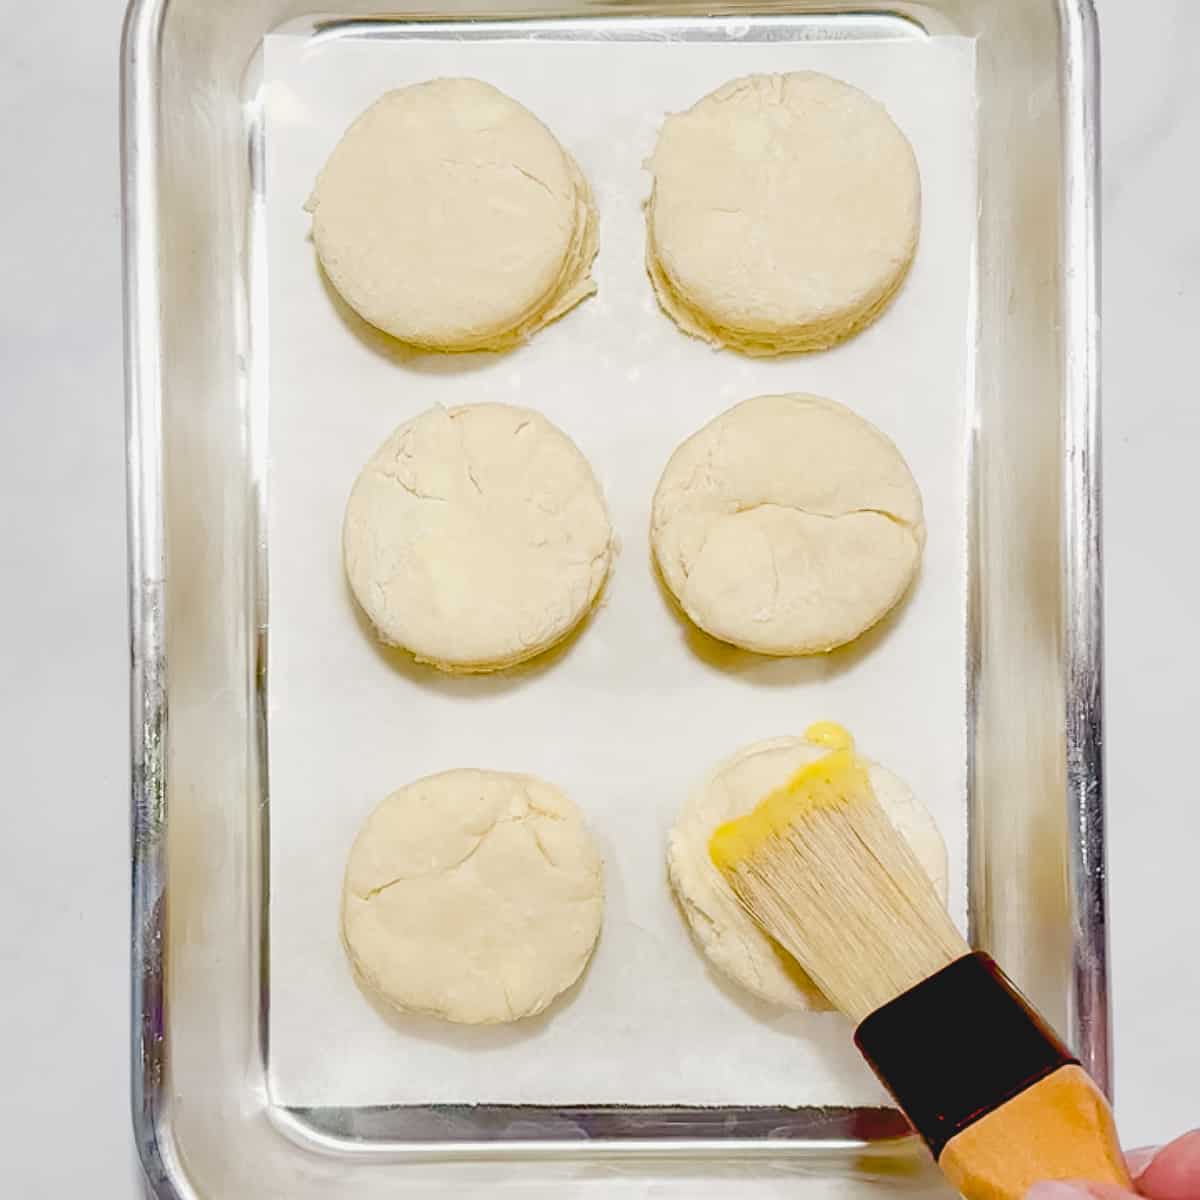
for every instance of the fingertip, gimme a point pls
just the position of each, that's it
(1174, 1172)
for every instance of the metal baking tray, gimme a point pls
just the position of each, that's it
(205, 1121)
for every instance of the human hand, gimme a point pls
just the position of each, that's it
(1167, 1173)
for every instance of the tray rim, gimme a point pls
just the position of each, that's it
(1089, 1016)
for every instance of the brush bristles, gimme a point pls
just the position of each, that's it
(842, 892)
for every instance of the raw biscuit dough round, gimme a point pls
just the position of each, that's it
(784, 214)
(788, 525)
(475, 896)
(732, 941)
(476, 537)
(450, 217)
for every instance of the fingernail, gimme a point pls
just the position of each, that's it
(1057, 1190)
(1138, 1160)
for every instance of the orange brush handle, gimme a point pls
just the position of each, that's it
(1059, 1128)
(987, 1083)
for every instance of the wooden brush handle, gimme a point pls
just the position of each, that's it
(998, 1098)
(1059, 1128)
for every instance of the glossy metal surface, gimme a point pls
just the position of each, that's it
(205, 1123)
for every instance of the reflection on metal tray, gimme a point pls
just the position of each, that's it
(204, 1119)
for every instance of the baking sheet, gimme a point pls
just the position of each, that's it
(632, 711)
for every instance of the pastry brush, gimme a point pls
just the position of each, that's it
(996, 1096)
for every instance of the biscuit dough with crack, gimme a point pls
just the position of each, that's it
(450, 217)
(476, 537)
(788, 525)
(475, 896)
(731, 939)
(784, 214)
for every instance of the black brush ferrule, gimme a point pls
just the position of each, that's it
(957, 1046)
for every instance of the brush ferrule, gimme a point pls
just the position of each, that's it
(957, 1046)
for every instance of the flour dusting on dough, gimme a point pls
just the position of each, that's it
(784, 214)
(450, 217)
(788, 525)
(475, 896)
(477, 537)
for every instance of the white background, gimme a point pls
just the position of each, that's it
(63, 729)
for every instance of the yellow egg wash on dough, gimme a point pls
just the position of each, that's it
(830, 781)
(831, 734)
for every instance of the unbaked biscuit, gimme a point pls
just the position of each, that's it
(475, 896)
(788, 525)
(476, 537)
(449, 216)
(784, 214)
(733, 942)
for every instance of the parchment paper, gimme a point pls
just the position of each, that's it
(638, 706)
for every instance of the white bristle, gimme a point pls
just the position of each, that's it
(842, 892)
